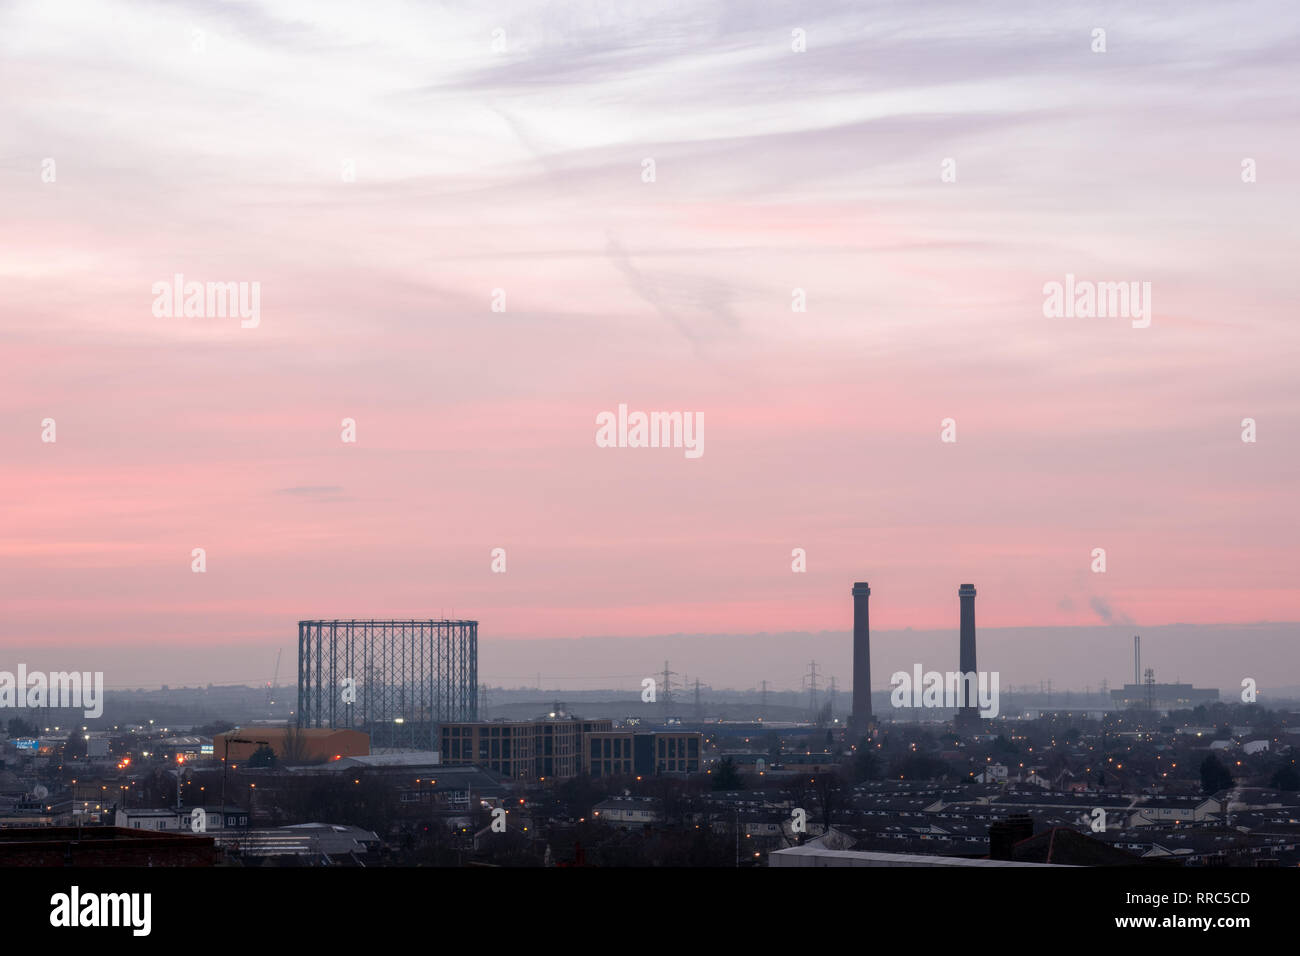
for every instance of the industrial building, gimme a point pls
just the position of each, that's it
(310, 844)
(422, 783)
(1163, 697)
(1145, 694)
(290, 744)
(394, 681)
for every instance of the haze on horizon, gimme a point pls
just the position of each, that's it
(522, 171)
(1073, 659)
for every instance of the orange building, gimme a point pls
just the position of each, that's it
(291, 744)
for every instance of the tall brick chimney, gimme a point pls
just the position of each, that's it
(860, 719)
(969, 705)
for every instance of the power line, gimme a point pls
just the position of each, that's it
(811, 677)
(667, 695)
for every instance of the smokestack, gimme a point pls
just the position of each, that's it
(860, 719)
(1137, 659)
(969, 704)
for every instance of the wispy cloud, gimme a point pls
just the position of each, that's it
(520, 171)
(1107, 615)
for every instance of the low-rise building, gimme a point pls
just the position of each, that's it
(808, 762)
(1173, 810)
(628, 812)
(290, 744)
(182, 820)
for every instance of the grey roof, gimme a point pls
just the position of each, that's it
(627, 803)
(818, 856)
(302, 839)
(409, 758)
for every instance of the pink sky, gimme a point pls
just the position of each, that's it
(522, 171)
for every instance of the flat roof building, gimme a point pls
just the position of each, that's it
(644, 753)
(291, 744)
(1163, 697)
(547, 748)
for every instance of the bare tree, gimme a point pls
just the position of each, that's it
(829, 789)
(293, 749)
